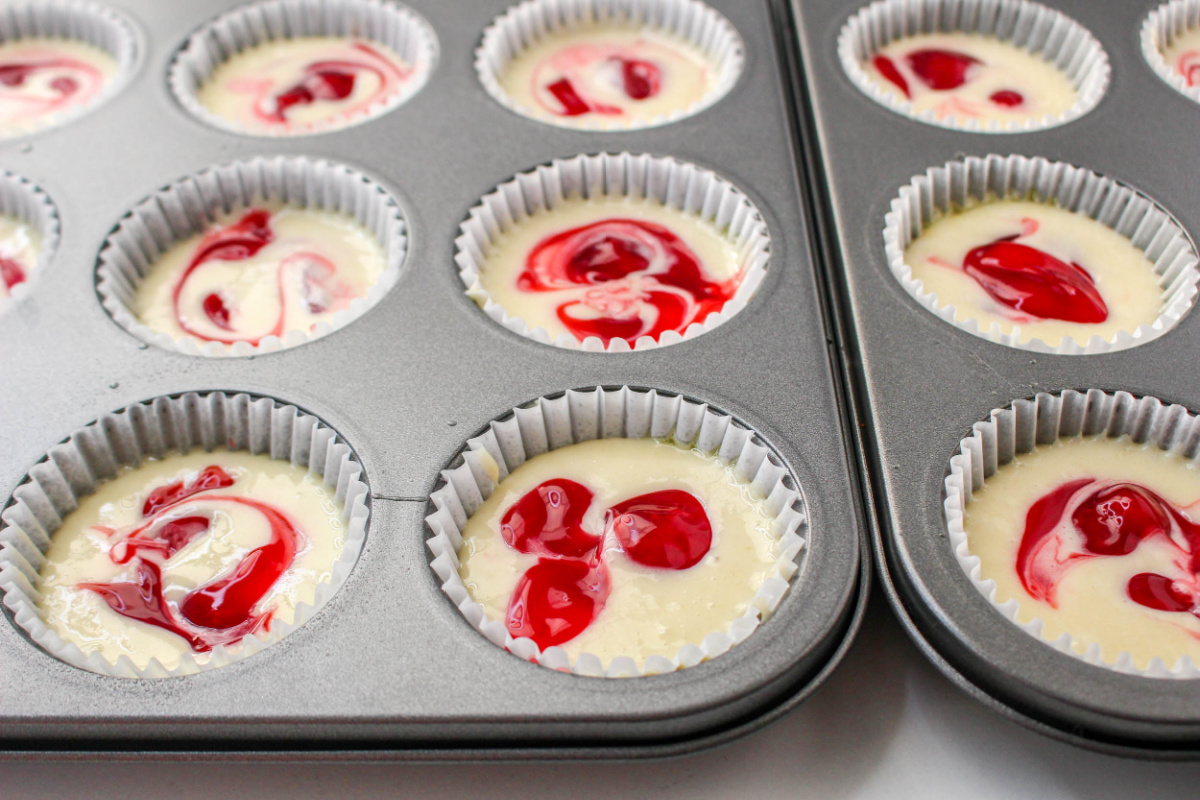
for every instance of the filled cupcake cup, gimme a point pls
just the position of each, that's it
(958, 185)
(674, 184)
(89, 457)
(385, 22)
(1030, 26)
(1026, 425)
(190, 205)
(80, 21)
(1162, 28)
(576, 416)
(528, 23)
(25, 202)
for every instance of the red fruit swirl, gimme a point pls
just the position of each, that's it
(11, 273)
(1086, 518)
(559, 596)
(560, 84)
(940, 70)
(330, 81)
(239, 241)
(1033, 282)
(219, 612)
(45, 85)
(1189, 67)
(639, 279)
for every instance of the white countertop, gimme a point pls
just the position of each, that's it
(886, 725)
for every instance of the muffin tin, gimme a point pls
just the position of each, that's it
(921, 383)
(388, 667)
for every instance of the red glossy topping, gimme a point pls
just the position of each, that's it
(546, 521)
(941, 69)
(1034, 282)
(572, 104)
(668, 529)
(556, 599)
(211, 477)
(216, 310)
(220, 611)
(887, 68)
(323, 80)
(641, 79)
(1007, 98)
(648, 280)
(1077, 521)
(11, 272)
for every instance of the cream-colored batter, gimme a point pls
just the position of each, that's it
(317, 263)
(1183, 56)
(20, 245)
(45, 78)
(1045, 89)
(1122, 273)
(1092, 603)
(244, 89)
(80, 551)
(649, 611)
(589, 58)
(507, 257)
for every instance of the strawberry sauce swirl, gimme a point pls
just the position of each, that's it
(330, 82)
(566, 83)
(625, 278)
(38, 85)
(305, 273)
(220, 612)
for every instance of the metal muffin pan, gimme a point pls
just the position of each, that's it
(388, 668)
(920, 383)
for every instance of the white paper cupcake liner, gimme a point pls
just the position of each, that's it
(82, 21)
(1162, 26)
(24, 201)
(386, 22)
(524, 25)
(1030, 26)
(165, 425)
(676, 184)
(1027, 424)
(958, 184)
(188, 206)
(598, 413)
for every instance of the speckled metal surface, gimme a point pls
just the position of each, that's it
(921, 383)
(389, 666)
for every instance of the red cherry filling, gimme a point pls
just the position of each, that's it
(1034, 282)
(941, 69)
(559, 596)
(887, 68)
(1007, 98)
(11, 272)
(662, 282)
(564, 92)
(322, 81)
(641, 79)
(555, 600)
(1111, 521)
(219, 612)
(546, 521)
(211, 477)
(668, 529)
(216, 310)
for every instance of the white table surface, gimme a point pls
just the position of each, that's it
(886, 725)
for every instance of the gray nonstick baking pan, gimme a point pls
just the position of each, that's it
(388, 668)
(919, 383)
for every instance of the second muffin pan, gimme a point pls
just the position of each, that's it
(388, 664)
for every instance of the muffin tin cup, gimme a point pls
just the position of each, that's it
(1028, 424)
(1152, 229)
(552, 422)
(524, 25)
(188, 206)
(82, 21)
(24, 201)
(676, 184)
(385, 22)
(1030, 26)
(155, 429)
(1159, 31)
